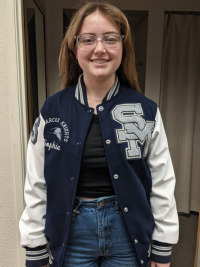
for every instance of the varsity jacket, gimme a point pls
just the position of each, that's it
(139, 164)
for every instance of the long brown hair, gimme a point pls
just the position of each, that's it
(68, 66)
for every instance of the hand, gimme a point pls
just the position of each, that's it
(157, 264)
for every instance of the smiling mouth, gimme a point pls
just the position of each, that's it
(100, 60)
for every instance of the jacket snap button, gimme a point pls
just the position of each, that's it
(125, 209)
(101, 108)
(72, 178)
(108, 141)
(89, 111)
(141, 261)
(136, 241)
(116, 176)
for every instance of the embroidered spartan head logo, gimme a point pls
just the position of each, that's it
(56, 131)
(134, 129)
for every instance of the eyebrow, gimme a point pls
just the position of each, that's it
(102, 34)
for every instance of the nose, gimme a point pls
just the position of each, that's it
(99, 46)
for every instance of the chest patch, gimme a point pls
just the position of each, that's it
(57, 131)
(135, 130)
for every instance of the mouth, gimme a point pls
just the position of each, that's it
(99, 61)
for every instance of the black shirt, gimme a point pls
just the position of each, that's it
(94, 180)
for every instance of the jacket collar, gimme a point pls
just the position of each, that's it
(80, 91)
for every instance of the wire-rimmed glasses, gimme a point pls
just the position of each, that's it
(88, 41)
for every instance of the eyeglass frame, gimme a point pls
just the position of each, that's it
(98, 39)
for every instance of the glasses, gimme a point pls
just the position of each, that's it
(87, 41)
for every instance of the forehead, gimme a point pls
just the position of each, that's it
(98, 23)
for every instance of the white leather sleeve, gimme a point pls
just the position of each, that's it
(32, 221)
(162, 199)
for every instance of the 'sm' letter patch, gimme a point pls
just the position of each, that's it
(134, 129)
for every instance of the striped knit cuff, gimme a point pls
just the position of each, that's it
(38, 256)
(161, 252)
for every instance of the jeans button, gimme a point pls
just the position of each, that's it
(101, 204)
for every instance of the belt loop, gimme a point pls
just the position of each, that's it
(117, 209)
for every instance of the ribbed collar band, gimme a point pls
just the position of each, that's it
(80, 91)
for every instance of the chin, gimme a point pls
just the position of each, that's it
(102, 74)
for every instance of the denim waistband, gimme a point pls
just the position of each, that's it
(100, 202)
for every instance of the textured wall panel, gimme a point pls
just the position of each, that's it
(8, 223)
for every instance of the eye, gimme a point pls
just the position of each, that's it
(111, 39)
(87, 40)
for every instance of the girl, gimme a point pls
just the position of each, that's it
(100, 183)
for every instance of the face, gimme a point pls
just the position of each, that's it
(99, 63)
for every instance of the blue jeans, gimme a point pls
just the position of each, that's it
(98, 236)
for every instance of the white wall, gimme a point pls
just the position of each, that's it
(12, 134)
(156, 10)
(9, 243)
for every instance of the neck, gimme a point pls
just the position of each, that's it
(98, 88)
